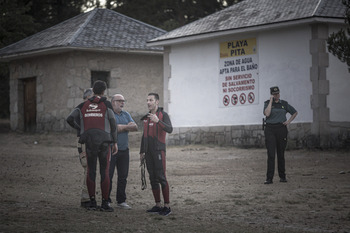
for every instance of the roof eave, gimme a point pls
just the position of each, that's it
(271, 26)
(56, 50)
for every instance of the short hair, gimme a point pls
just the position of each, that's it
(99, 87)
(88, 92)
(156, 96)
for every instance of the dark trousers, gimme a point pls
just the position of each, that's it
(102, 153)
(121, 162)
(156, 167)
(275, 140)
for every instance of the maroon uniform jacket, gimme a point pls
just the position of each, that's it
(155, 132)
(95, 121)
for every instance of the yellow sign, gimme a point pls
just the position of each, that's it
(238, 48)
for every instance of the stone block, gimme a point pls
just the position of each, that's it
(70, 103)
(205, 129)
(196, 130)
(54, 113)
(217, 129)
(323, 87)
(93, 64)
(70, 62)
(183, 130)
(116, 72)
(38, 98)
(40, 107)
(220, 140)
(72, 72)
(324, 115)
(195, 138)
(39, 88)
(236, 133)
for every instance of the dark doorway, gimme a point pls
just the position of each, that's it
(29, 94)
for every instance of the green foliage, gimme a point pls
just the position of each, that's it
(48, 13)
(22, 18)
(15, 22)
(168, 14)
(339, 43)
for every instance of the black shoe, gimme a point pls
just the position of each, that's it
(85, 204)
(93, 205)
(165, 211)
(284, 180)
(155, 210)
(106, 207)
(268, 182)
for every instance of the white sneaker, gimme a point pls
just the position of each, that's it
(124, 206)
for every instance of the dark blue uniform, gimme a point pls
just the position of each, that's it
(276, 137)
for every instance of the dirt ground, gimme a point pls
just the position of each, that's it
(212, 189)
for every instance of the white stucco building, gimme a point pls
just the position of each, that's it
(218, 71)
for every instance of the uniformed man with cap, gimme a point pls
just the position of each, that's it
(276, 133)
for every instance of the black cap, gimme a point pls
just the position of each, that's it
(274, 90)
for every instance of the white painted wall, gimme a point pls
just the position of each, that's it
(284, 60)
(339, 88)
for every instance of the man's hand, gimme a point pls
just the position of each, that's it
(153, 117)
(142, 156)
(82, 155)
(115, 149)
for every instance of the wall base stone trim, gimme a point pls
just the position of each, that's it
(252, 136)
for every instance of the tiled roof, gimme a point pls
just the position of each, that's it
(251, 13)
(97, 29)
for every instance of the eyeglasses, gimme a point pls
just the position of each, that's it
(120, 101)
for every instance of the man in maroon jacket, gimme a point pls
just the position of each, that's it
(97, 131)
(155, 126)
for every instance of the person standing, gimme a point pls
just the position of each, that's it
(155, 126)
(97, 131)
(85, 198)
(276, 133)
(125, 124)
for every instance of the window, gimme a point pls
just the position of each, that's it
(100, 75)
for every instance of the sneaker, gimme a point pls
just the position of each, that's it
(124, 206)
(106, 207)
(85, 204)
(165, 211)
(93, 205)
(155, 210)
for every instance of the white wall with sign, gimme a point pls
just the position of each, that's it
(238, 73)
(196, 94)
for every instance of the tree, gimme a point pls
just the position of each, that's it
(339, 43)
(22, 18)
(168, 14)
(48, 13)
(15, 24)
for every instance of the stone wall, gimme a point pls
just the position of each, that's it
(299, 136)
(62, 78)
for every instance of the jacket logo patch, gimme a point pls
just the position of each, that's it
(93, 115)
(93, 106)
